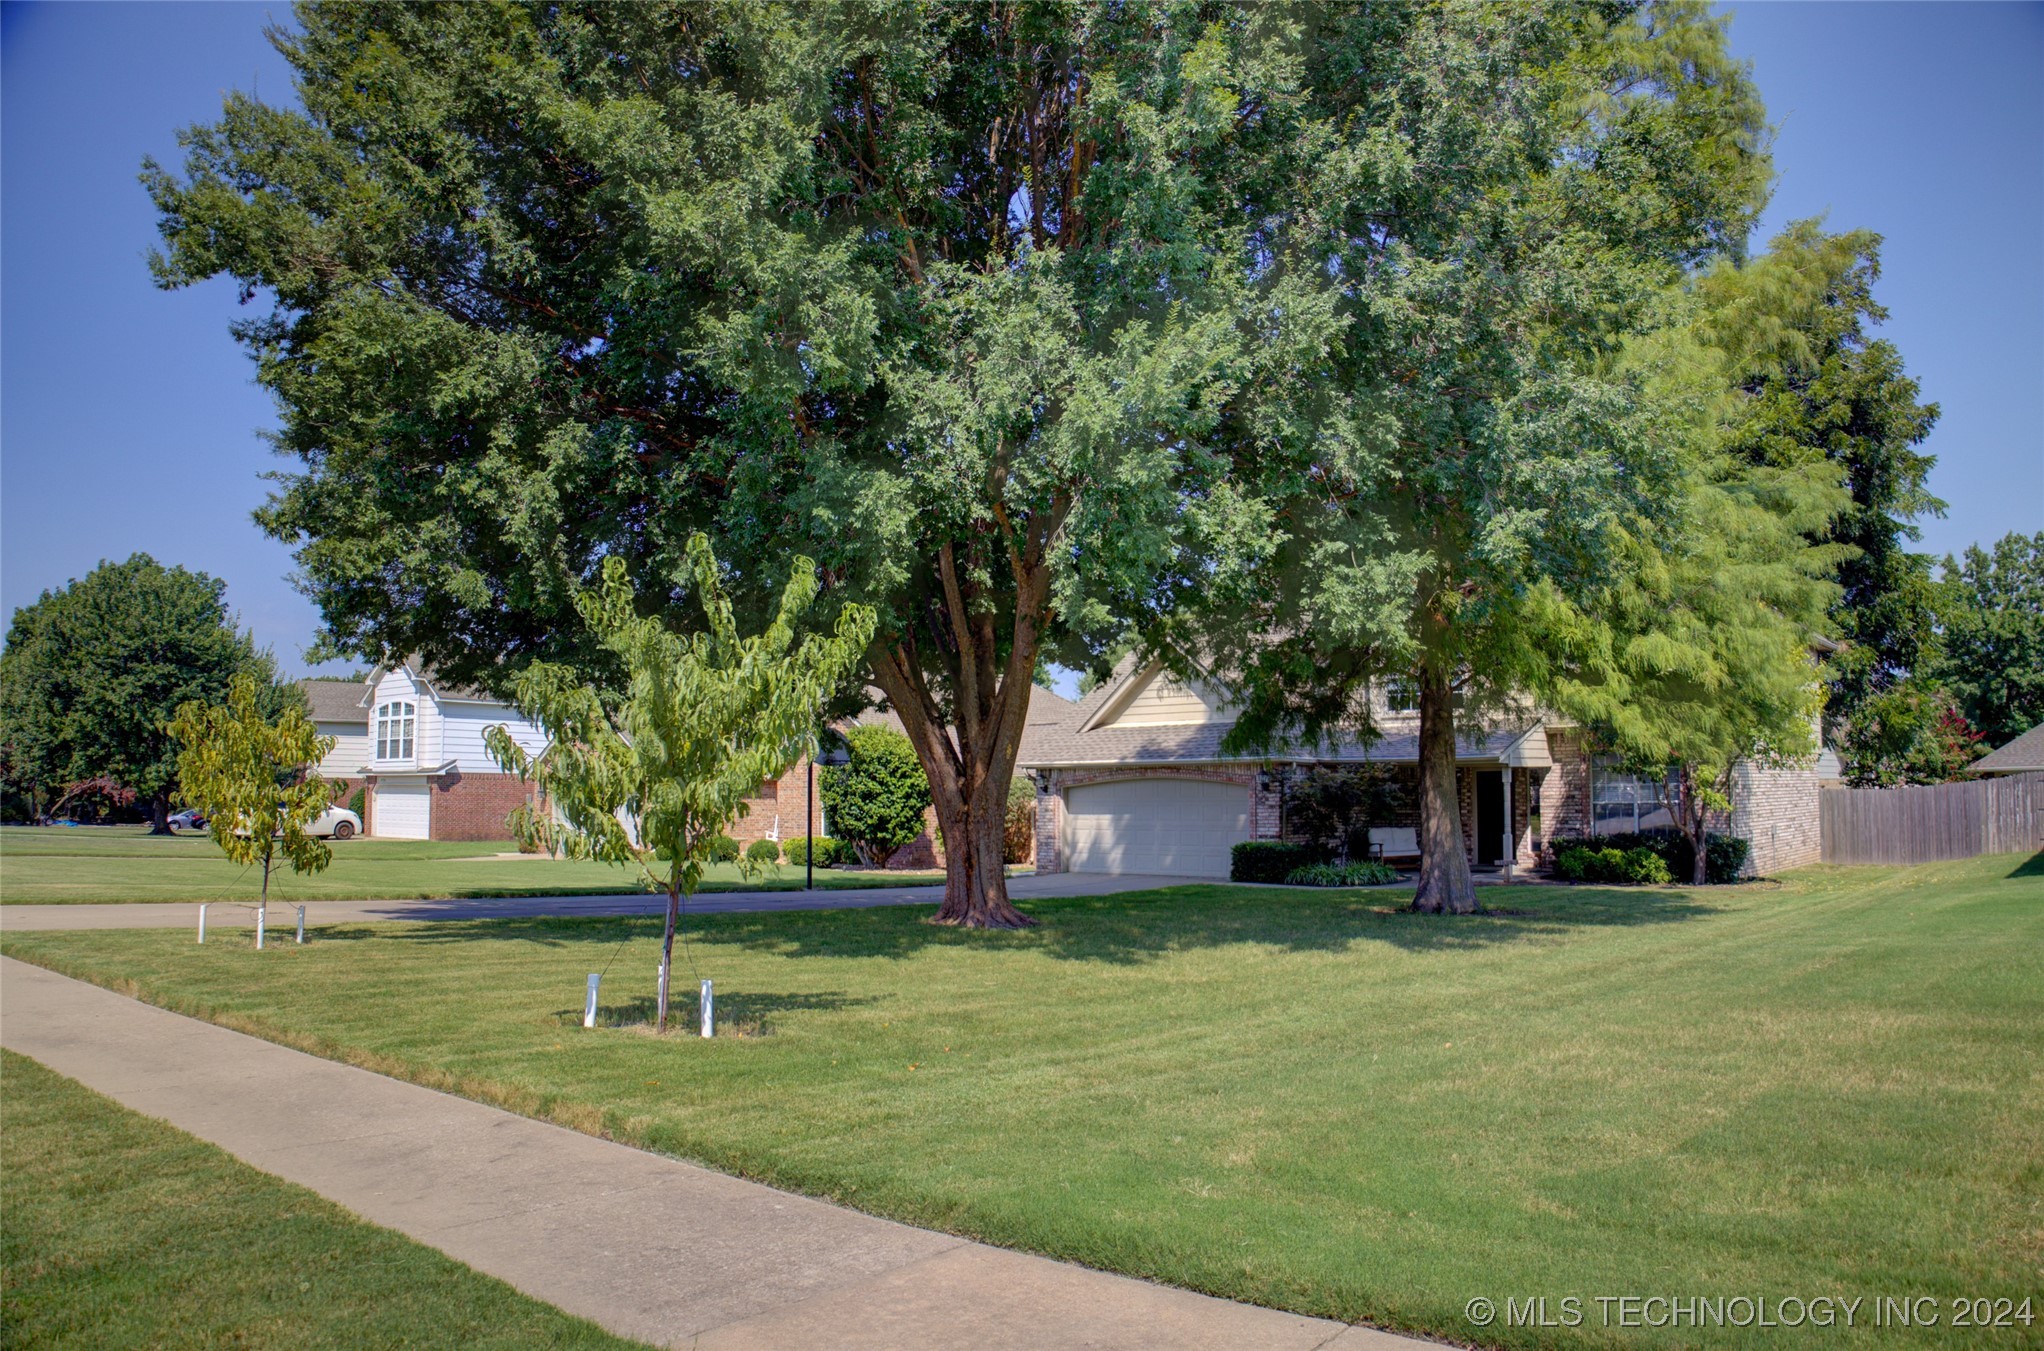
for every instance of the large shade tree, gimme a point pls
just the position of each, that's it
(94, 672)
(1701, 654)
(1512, 194)
(978, 305)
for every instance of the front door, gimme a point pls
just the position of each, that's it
(1490, 817)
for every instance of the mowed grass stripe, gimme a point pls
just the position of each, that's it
(118, 1230)
(1827, 1086)
(55, 866)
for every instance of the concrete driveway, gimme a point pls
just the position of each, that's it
(185, 914)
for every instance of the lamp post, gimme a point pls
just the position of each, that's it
(833, 753)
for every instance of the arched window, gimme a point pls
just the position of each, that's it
(394, 723)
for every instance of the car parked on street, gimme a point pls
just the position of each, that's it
(190, 821)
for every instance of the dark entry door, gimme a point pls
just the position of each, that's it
(1490, 817)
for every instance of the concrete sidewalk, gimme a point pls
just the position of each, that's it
(185, 914)
(647, 1246)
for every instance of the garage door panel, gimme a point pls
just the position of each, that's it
(1179, 827)
(403, 811)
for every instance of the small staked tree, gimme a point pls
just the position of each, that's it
(249, 777)
(652, 779)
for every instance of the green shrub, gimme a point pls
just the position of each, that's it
(827, 850)
(1644, 867)
(1638, 866)
(1724, 855)
(876, 802)
(358, 802)
(1369, 873)
(763, 851)
(721, 849)
(1270, 860)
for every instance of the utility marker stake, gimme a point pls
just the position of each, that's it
(262, 915)
(589, 1004)
(709, 1007)
(301, 924)
(202, 924)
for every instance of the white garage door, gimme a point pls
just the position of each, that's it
(1178, 827)
(403, 811)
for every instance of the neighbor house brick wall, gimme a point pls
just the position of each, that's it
(1776, 809)
(475, 806)
(1050, 825)
(775, 812)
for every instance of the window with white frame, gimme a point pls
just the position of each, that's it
(394, 724)
(1401, 695)
(1622, 804)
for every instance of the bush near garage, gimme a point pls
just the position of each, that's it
(1271, 860)
(1362, 873)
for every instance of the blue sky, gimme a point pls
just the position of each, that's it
(129, 420)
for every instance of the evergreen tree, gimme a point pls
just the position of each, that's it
(652, 778)
(1990, 606)
(876, 800)
(93, 674)
(1842, 396)
(1699, 656)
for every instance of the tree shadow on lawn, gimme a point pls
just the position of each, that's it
(1123, 929)
(2030, 867)
(739, 1013)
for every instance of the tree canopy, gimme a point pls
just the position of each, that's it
(1028, 323)
(248, 774)
(1991, 615)
(94, 672)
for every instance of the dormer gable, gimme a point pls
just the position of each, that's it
(1151, 696)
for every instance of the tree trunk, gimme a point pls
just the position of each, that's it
(1693, 817)
(969, 757)
(1444, 882)
(667, 954)
(159, 814)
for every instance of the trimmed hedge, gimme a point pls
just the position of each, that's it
(763, 851)
(828, 851)
(1270, 860)
(1724, 855)
(721, 849)
(1368, 873)
(1638, 866)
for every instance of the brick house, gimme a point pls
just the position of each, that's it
(1133, 779)
(413, 744)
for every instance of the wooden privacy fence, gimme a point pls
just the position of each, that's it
(1923, 825)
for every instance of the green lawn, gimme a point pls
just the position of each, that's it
(1829, 1086)
(117, 1230)
(56, 866)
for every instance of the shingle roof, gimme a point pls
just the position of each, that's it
(1062, 742)
(335, 700)
(2024, 754)
(1048, 711)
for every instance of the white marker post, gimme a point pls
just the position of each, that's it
(202, 924)
(589, 1004)
(262, 916)
(301, 924)
(709, 1010)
